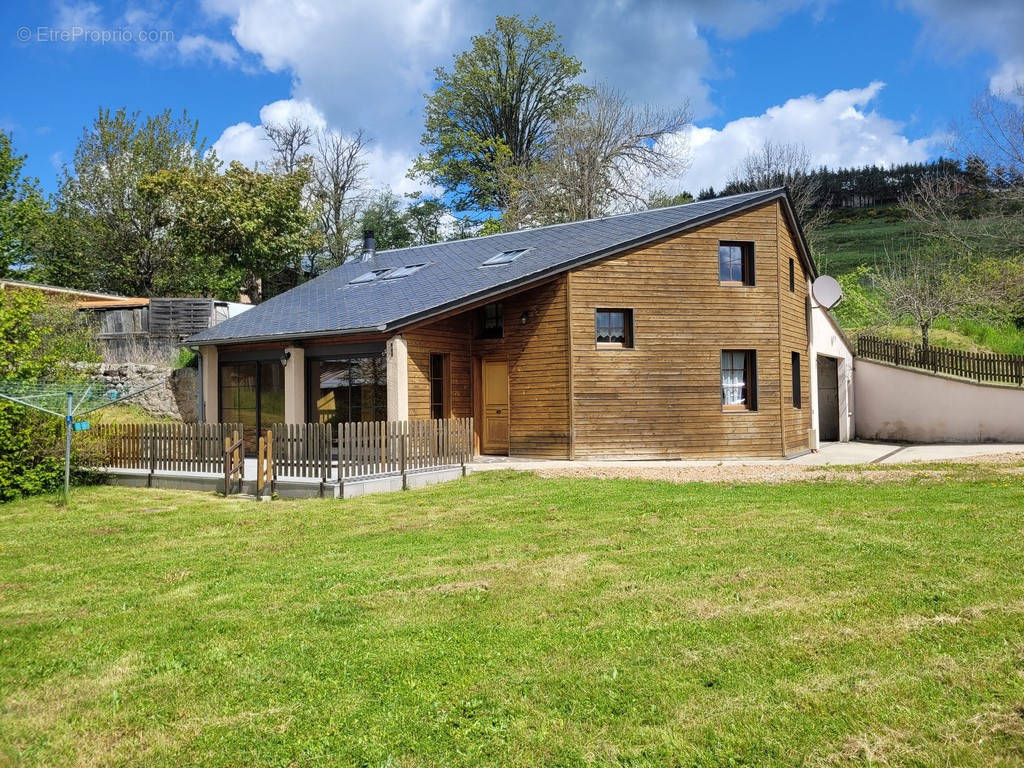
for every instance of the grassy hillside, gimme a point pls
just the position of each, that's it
(859, 237)
(853, 238)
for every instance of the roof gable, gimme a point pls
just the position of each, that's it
(454, 273)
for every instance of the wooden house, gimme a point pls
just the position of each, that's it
(680, 332)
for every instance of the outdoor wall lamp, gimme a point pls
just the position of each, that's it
(525, 317)
(285, 357)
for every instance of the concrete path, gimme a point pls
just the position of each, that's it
(830, 454)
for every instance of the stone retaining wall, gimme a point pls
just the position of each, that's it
(176, 398)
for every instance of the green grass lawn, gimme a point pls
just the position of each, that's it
(508, 620)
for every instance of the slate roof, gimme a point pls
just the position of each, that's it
(453, 275)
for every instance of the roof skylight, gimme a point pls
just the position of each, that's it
(505, 257)
(369, 277)
(403, 271)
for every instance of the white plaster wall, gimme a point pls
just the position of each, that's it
(826, 339)
(919, 407)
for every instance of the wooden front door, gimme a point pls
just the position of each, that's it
(495, 407)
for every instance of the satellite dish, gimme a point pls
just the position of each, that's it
(827, 291)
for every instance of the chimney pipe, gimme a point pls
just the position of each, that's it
(369, 245)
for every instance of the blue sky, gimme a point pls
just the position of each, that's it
(855, 82)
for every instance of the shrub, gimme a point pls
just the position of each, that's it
(39, 340)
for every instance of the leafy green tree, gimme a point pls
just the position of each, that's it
(22, 209)
(495, 111)
(662, 199)
(39, 339)
(247, 226)
(424, 218)
(386, 216)
(109, 234)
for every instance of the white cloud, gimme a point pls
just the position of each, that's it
(839, 129)
(368, 65)
(82, 15)
(201, 47)
(963, 26)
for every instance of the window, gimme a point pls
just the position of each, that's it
(796, 379)
(614, 327)
(437, 386)
(252, 393)
(351, 389)
(368, 277)
(505, 257)
(739, 380)
(736, 263)
(491, 320)
(792, 276)
(405, 271)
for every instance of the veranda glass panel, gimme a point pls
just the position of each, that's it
(353, 389)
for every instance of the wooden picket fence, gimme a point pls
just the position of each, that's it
(980, 366)
(319, 452)
(302, 450)
(171, 447)
(369, 448)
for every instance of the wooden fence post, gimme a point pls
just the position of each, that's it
(152, 457)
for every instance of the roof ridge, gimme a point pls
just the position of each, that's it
(770, 190)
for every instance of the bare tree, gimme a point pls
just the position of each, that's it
(290, 143)
(925, 282)
(338, 168)
(602, 158)
(995, 135)
(979, 211)
(781, 164)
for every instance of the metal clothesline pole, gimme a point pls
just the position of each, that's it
(68, 423)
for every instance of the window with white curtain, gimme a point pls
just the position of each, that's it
(739, 379)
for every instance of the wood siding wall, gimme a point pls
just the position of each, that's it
(452, 337)
(662, 398)
(793, 323)
(538, 367)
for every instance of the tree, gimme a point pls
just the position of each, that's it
(338, 168)
(336, 164)
(385, 215)
(425, 218)
(39, 338)
(979, 210)
(780, 164)
(289, 141)
(926, 283)
(106, 235)
(659, 198)
(496, 109)
(247, 224)
(22, 210)
(601, 158)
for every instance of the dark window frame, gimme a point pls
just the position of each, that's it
(259, 391)
(628, 336)
(491, 321)
(746, 263)
(792, 276)
(437, 375)
(796, 380)
(749, 381)
(313, 387)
